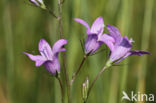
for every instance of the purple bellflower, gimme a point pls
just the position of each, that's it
(120, 48)
(49, 56)
(95, 37)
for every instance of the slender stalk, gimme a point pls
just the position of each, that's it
(63, 55)
(60, 18)
(52, 13)
(67, 79)
(61, 86)
(78, 70)
(92, 84)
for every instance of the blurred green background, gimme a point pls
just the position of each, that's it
(23, 25)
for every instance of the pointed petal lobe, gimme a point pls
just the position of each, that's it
(45, 49)
(125, 42)
(108, 40)
(37, 58)
(97, 26)
(115, 33)
(84, 24)
(58, 46)
(136, 52)
(139, 53)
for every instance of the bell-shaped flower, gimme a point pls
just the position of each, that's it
(121, 48)
(49, 56)
(94, 35)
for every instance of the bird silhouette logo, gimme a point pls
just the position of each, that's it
(125, 96)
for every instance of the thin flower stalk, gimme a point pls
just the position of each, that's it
(40, 4)
(52, 13)
(78, 70)
(63, 55)
(61, 86)
(95, 79)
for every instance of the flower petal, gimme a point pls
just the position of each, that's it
(41, 1)
(97, 26)
(127, 54)
(120, 50)
(136, 52)
(125, 42)
(118, 53)
(115, 33)
(108, 40)
(139, 53)
(34, 2)
(52, 66)
(91, 44)
(45, 49)
(84, 24)
(37, 58)
(58, 46)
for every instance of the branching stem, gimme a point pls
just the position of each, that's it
(92, 84)
(78, 70)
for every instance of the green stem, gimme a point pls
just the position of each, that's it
(60, 18)
(92, 84)
(63, 55)
(52, 13)
(61, 86)
(78, 70)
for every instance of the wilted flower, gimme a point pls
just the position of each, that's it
(38, 3)
(120, 48)
(49, 56)
(94, 35)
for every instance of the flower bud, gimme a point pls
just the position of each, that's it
(87, 83)
(84, 91)
(85, 87)
(38, 3)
